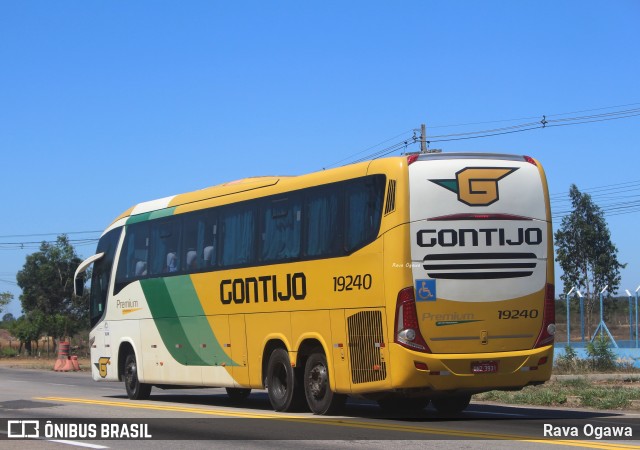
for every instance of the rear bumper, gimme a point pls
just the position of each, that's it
(453, 373)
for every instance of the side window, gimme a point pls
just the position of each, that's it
(281, 229)
(363, 211)
(134, 256)
(322, 225)
(238, 227)
(200, 242)
(165, 246)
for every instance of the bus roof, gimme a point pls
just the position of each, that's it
(244, 185)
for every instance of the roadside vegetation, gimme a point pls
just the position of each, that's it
(580, 390)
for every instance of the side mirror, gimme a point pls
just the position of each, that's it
(79, 286)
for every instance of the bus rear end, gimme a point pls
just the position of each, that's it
(480, 315)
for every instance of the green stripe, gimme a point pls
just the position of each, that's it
(151, 215)
(180, 319)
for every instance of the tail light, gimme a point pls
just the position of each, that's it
(530, 160)
(407, 332)
(548, 318)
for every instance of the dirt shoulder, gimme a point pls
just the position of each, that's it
(38, 363)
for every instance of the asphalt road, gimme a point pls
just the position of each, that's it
(206, 418)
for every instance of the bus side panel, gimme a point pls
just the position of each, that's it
(261, 328)
(338, 351)
(313, 325)
(238, 341)
(214, 372)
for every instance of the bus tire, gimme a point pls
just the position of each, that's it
(135, 389)
(403, 404)
(320, 398)
(284, 389)
(238, 395)
(454, 404)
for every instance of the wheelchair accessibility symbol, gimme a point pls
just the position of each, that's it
(425, 290)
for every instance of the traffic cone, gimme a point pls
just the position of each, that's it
(68, 366)
(58, 365)
(63, 356)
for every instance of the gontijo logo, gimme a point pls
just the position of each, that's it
(477, 186)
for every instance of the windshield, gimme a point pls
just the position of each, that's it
(102, 274)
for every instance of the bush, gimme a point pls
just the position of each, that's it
(569, 362)
(8, 352)
(601, 357)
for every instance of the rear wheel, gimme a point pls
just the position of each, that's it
(285, 391)
(135, 389)
(451, 405)
(238, 395)
(320, 398)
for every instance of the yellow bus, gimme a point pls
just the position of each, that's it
(406, 280)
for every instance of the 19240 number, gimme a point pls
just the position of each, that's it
(352, 282)
(517, 314)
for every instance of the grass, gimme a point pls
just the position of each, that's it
(557, 393)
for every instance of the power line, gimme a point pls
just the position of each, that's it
(532, 117)
(545, 122)
(49, 234)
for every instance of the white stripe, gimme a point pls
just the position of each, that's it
(152, 205)
(78, 444)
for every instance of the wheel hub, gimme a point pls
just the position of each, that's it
(318, 381)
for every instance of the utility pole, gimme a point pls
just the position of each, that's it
(423, 138)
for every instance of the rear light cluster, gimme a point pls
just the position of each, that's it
(548, 330)
(407, 331)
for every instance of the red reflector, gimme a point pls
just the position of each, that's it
(542, 361)
(420, 365)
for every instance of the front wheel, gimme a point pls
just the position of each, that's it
(135, 389)
(451, 405)
(320, 398)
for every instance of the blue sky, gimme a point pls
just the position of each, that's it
(107, 104)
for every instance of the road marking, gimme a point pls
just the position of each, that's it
(344, 423)
(77, 444)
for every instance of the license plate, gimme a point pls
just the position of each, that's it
(484, 367)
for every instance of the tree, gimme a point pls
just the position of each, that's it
(585, 252)
(46, 280)
(7, 319)
(5, 299)
(28, 329)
